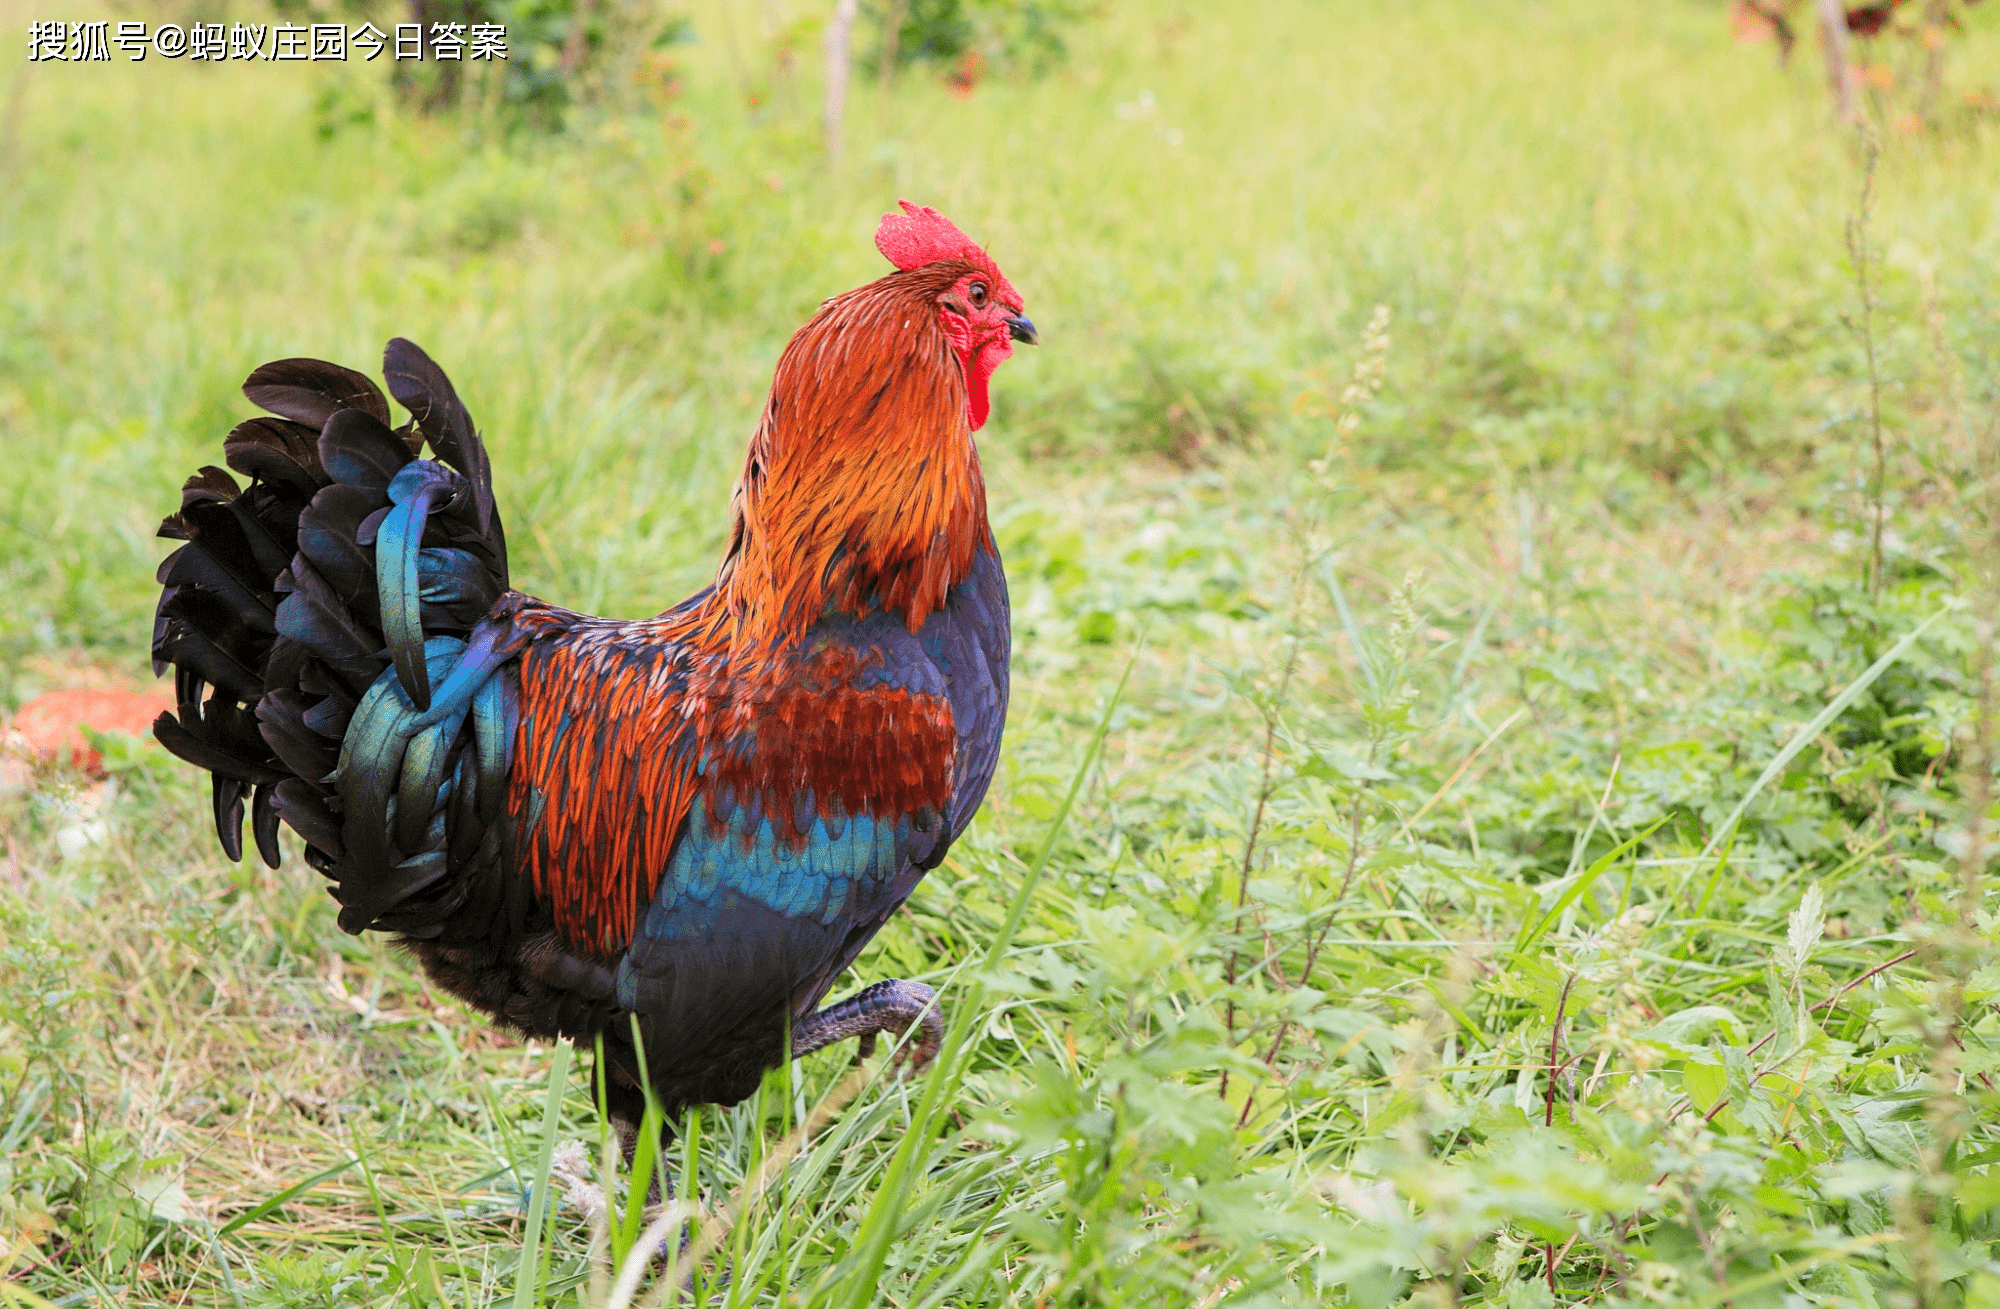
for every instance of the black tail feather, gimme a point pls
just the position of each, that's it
(211, 485)
(277, 451)
(303, 807)
(202, 753)
(225, 570)
(359, 450)
(421, 387)
(311, 391)
(328, 536)
(271, 545)
(282, 718)
(210, 641)
(314, 616)
(264, 824)
(227, 793)
(270, 612)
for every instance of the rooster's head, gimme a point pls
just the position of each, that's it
(862, 491)
(980, 312)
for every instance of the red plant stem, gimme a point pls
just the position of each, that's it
(1555, 1047)
(1833, 999)
(1766, 1039)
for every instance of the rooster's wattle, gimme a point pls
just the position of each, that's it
(695, 820)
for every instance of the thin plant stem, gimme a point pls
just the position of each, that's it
(1266, 786)
(1862, 254)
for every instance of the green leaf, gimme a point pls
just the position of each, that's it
(1704, 1083)
(527, 1275)
(1804, 737)
(1688, 1026)
(166, 1201)
(1978, 1194)
(1529, 935)
(1332, 765)
(1378, 1287)
(286, 1196)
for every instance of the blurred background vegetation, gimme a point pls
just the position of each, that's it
(1537, 856)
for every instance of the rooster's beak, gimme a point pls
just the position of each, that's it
(1022, 330)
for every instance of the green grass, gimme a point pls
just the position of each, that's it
(1352, 859)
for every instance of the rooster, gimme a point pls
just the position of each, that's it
(670, 834)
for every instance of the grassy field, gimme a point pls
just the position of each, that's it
(1481, 820)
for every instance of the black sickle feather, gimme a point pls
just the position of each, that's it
(227, 795)
(359, 449)
(457, 588)
(233, 727)
(276, 507)
(167, 730)
(189, 648)
(302, 808)
(330, 716)
(215, 530)
(421, 387)
(313, 390)
(264, 825)
(209, 486)
(193, 570)
(277, 451)
(188, 687)
(286, 663)
(270, 552)
(244, 636)
(281, 718)
(327, 536)
(314, 616)
(160, 626)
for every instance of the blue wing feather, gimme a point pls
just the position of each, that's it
(971, 641)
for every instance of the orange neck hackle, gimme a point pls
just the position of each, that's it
(862, 490)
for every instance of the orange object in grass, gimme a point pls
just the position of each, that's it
(53, 722)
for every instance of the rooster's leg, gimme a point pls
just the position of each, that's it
(627, 1106)
(892, 1006)
(627, 1131)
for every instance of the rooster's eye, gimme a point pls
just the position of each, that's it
(978, 293)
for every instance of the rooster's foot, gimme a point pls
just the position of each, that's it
(893, 1006)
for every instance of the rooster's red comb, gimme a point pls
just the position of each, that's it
(921, 235)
